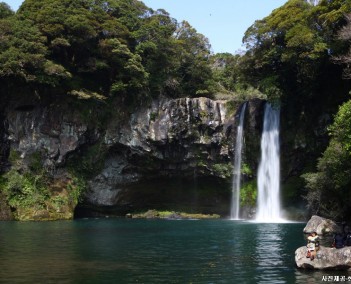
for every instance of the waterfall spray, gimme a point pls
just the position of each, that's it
(269, 169)
(235, 205)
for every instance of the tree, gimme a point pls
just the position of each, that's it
(292, 46)
(5, 10)
(194, 57)
(157, 47)
(23, 54)
(329, 187)
(122, 48)
(345, 59)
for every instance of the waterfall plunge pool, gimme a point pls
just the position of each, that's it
(152, 251)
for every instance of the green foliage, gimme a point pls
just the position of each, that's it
(289, 49)
(155, 214)
(244, 93)
(58, 202)
(201, 164)
(123, 49)
(102, 49)
(246, 170)
(81, 168)
(231, 106)
(25, 190)
(76, 188)
(90, 161)
(194, 58)
(13, 156)
(35, 163)
(222, 170)
(248, 193)
(5, 10)
(86, 95)
(341, 128)
(225, 70)
(33, 194)
(23, 53)
(229, 80)
(328, 188)
(344, 34)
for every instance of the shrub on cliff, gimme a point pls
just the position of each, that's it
(329, 188)
(32, 193)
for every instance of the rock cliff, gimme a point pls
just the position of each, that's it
(169, 146)
(50, 130)
(4, 143)
(171, 153)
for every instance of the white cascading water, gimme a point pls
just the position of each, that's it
(235, 205)
(268, 200)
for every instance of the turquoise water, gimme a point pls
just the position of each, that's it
(151, 251)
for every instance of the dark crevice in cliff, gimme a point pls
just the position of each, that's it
(184, 194)
(25, 108)
(4, 144)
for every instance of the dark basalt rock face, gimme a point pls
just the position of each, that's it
(49, 130)
(173, 153)
(4, 143)
(172, 148)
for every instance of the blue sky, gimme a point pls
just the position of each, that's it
(224, 22)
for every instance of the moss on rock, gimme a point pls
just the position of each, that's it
(154, 214)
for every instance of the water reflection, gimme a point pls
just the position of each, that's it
(269, 253)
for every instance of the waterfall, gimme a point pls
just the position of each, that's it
(269, 169)
(235, 205)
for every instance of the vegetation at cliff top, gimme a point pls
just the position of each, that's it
(121, 49)
(102, 49)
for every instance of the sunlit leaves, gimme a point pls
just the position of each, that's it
(22, 49)
(341, 128)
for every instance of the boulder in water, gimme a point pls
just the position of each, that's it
(326, 258)
(321, 226)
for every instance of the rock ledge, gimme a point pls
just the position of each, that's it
(326, 259)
